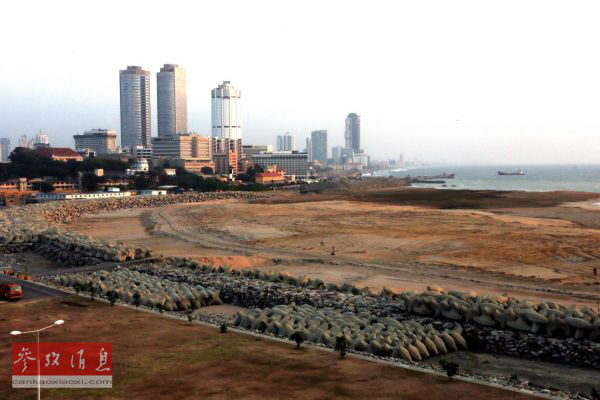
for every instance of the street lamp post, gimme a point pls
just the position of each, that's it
(37, 332)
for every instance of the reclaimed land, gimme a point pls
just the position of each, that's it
(541, 246)
(174, 359)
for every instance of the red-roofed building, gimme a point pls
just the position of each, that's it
(271, 175)
(60, 153)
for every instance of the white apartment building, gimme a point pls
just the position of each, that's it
(226, 111)
(134, 84)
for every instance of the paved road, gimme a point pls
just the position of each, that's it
(31, 290)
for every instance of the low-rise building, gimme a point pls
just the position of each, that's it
(101, 141)
(35, 184)
(45, 197)
(271, 175)
(292, 163)
(141, 152)
(139, 166)
(226, 163)
(114, 183)
(201, 146)
(193, 165)
(59, 153)
(248, 150)
(361, 158)
(221, 146)
(172, 146)
(152, 192)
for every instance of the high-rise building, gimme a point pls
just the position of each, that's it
(226, 112)
(41, 139)
(134, 85)
(25, 142)
(318, 142)
(286, 142)
(101, 141)
(171, 87)
(352, 133)
(4, 149)
(341, 155)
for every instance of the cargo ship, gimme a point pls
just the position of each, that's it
(519, 172)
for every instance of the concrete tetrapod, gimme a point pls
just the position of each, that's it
(408, 340)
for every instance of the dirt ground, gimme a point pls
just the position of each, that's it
(538, 251)
(173, 359)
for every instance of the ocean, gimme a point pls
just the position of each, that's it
(537, 178)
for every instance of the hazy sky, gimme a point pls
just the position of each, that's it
(447, 81)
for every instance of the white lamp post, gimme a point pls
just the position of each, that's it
(37, 332)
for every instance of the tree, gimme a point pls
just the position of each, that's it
(244, 177)
(137, 299)
(298, 338)
(341, 346)
(46, 187)
(92, 292)
(206, 170)
(89, 182)
(112, 297)
(451, 368)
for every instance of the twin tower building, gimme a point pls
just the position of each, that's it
(171, 82)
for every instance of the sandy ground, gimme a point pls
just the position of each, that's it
(176, 360)
(526, 252)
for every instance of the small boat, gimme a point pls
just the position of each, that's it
(518, 172)
(443, 176)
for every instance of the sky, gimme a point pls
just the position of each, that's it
(456, 81)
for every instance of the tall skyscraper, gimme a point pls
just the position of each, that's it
(318, 142)
(352, 132)
(23, 141)
(134, 85)
(226, 112)
(171, 87)
(4, 149)
(286, 142)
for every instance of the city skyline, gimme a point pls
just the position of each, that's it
(468, 96)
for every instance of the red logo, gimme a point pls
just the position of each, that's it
(62, 359)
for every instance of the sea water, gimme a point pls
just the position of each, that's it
(538, 178)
